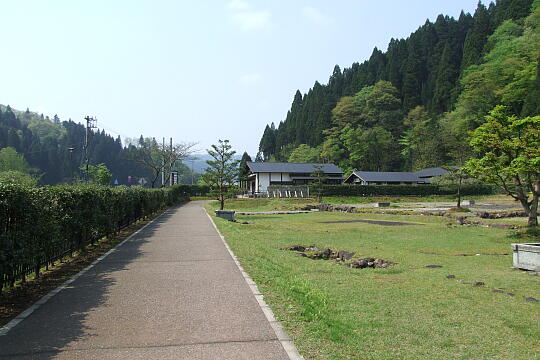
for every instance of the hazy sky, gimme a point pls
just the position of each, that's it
(193, 70)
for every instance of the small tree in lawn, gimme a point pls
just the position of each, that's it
(457, 177)
(509, 156)
(222, 171)
(320, 178)
(459, 150)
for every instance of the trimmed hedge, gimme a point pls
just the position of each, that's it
(194, 190)
(39, 225)
(398, 190)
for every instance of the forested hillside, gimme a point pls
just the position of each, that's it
(413, 105)
(53, 150)
(45, 145)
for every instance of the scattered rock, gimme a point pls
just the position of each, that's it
(315, 253)
(325, 207)
(450, 276)
(461, 220)
(478, 283)
(341, 256)
(371, 263)
(344, 208)
(531, 299)
(300, 248)
(295, 248)
(497, 291)
(433, 266)
(341, 208)
(360, 264)
(503, 226)
(501, 215)
(325, 254)
(344, 255)
(510, 294)
(245, 223)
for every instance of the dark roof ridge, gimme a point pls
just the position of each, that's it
(292, 167)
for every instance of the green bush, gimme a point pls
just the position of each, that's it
(406, 190)
(194, 190)
(41, 224)
(396, 190)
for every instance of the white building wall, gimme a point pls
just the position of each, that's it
(286, 177)
(263, 180)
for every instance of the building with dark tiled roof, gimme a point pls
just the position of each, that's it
(386, 178)
(264, 174)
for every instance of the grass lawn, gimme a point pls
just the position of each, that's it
(273, 204)
(406, 311)
(403, 199)
(265, 204)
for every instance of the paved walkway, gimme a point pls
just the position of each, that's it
(170, 292)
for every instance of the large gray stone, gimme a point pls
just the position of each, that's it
(526, 256)
(226, 214)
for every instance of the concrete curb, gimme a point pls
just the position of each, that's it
(14, 322)
(282, 336)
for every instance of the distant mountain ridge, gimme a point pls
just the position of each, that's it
(199, 164)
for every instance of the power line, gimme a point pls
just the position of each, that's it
(112, 130)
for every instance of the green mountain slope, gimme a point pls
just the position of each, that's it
(400, 109)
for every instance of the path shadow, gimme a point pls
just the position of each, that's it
(61, 320)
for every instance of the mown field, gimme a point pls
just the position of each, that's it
(270, 204)
(406, 311)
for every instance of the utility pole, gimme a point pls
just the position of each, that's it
(90, 124)
(163, 165)
(170, 165)
(71, 149)
(192, 160)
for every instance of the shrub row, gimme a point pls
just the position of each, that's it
(397, 190)
(194, 190)
(39, 225)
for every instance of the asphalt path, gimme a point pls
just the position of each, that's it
(172, 291)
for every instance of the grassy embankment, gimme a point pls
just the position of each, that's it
(407, 311)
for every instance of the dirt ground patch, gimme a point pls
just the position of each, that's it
(375, 222)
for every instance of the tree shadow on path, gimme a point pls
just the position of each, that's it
(61, 321)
